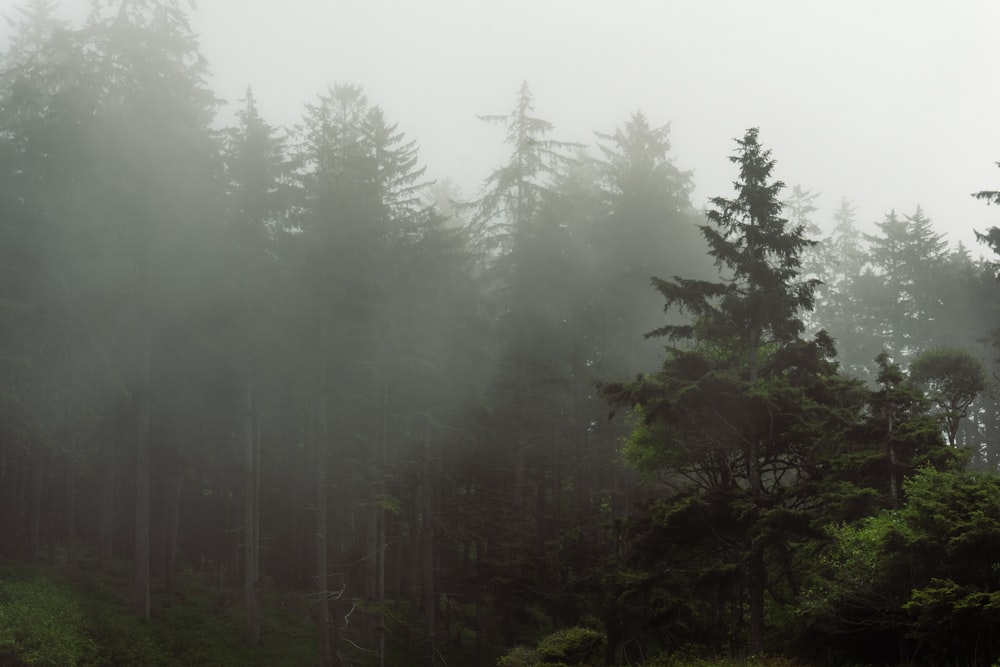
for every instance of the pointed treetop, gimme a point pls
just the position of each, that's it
(762, 291)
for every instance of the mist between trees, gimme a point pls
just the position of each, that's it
(287, 359)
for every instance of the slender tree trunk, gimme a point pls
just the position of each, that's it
(49, 510)
(71, 504)
(35, 505)
(257, 566)
(107, 498)
(140, 598)
(251, 636)
(755, 566)
(893, 491)
(69, 462)
(427, 556)
(380, 590)
(172, 498)
(380, 517)
(158, 526)
(322, 591)
(758, 584)
(9, 528)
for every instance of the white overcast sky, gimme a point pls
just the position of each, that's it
(890, 103)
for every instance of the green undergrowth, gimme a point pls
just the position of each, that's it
(585, 647)
(67, 616)
(78, 616)
(676, 661)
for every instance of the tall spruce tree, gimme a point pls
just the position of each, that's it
(648, 227)
(260, 197)
(842, 256)
(527, 249)
(717, 419)
(908, 258)
(363, 214)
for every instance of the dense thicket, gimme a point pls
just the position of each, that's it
(283, 357)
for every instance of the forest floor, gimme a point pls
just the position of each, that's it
(78, 615)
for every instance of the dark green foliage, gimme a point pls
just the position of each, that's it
(571, 647)
(761, 297)
(953, 379)
(734, 422)
(519, 657)
(918, 579)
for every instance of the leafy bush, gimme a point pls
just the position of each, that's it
(572, 647)
(681, 659)
(520, 656)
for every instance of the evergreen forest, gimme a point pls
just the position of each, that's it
(273, 396)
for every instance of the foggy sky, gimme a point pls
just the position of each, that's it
(890, 103)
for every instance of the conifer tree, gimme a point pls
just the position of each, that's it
(364, 211)
(711, 414)
(648, 227)
(260, 196)
(838, 299)
(800, 206)
(898, 300)
(528, 250)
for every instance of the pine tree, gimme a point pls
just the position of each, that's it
(363, 211)
(800, 206)
(908, 258)
(530, 255)
(513, 193)
(710, 415)
(648, 227)
(120, 113)
(845, 280)
(260, 196)
(157, 113)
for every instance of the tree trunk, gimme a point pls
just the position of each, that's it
(380, 588)
(69, 469)
(10, 482)
(755, 566)
(107, 500)
(50, 514)
(174, 488)
(251, 636)
(380, 517)
(427, 557)
(71, 504)
(322, 592)
(35, 505)
(893, 491)
(758, 584)
(140, 597)
(370, 564)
